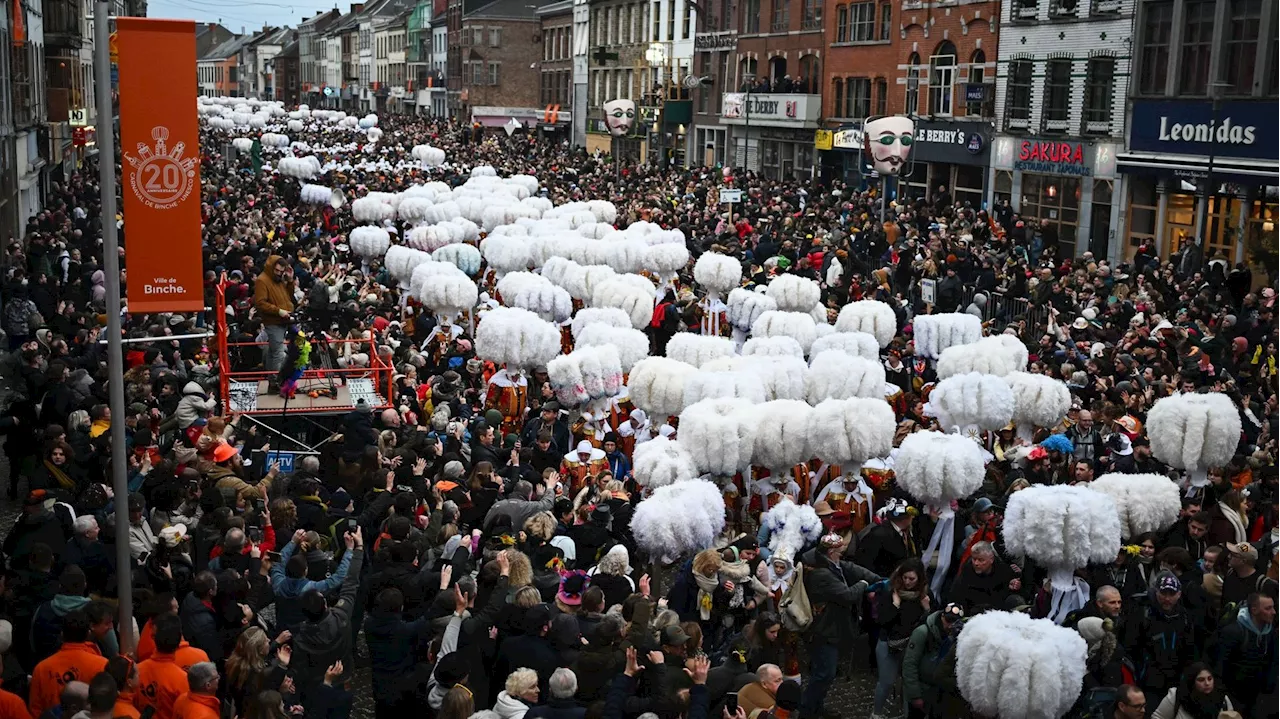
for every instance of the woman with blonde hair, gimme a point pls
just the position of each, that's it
(519, 695)
(250, 668)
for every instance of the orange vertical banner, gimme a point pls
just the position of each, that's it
(160, 146)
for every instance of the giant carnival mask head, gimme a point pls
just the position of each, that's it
(619, 116)
(887, 142)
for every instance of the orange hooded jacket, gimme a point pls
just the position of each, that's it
(160, 682)
(72, 663)
(197, 706)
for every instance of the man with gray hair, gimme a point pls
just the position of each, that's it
(984, 582)
(85, 551)
(201, 701)
(562, 686)
(522, 505)
(762, 693)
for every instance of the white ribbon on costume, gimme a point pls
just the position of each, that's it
(942, 542)
(862, 493)
(1198, 477)
(1070, 593)
(739, 339)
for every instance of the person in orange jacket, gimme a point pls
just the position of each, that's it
(77, 660)
(125, 674)
(163, 603)
(201, 700)
(160, 679)
(11, 705)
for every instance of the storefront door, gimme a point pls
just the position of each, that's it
(1179, 223)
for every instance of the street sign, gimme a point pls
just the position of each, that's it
(929, 291)
(78, 117)
(730, 195)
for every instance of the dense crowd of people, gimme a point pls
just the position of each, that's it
(484, 557)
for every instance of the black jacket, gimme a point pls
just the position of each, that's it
(835, 593)
(392, 649)
(317, 645)
(882, 549)
(200, 627)
(976, 592)
(557, 709)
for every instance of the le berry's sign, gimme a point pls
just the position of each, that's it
(1239, 128)
(961, 143)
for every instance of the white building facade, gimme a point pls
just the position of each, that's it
(1062, 79)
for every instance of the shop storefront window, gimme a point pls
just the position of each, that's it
(968, 184)
(1260, 236)
(769, 159)
(1143, 204)
(1224, 226)
(805, 161)
(1057, 200)
(1003, 186)
(915, 183)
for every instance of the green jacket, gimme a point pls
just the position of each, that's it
(929, 666)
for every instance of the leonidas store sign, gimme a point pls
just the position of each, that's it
(771, 109)
(1243, 129)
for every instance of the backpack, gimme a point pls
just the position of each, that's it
(794, 607)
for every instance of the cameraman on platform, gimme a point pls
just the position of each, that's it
(273, 298)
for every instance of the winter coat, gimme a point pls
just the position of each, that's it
(898, 622)
(928, 667)
(835, 593)
(193, 405)
(519, 510)
(1169, 709)
(975, 591)
(557, 709)
(509, 707)
(882, 549)
(46, 624)
(392, 650)
(1246, 656)
(1160, 644)
(96, 559)
(289, 590)
(200, 626)
(318, 644)
(271, 297)
(44, 527)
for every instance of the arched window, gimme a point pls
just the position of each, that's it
(976, 75)
(810, 70)
(746, 73)
(777, 71)
(913, 84)
(942, 78)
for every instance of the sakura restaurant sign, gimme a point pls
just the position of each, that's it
(1054, 158)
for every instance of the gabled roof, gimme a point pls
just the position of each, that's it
(227, 49)
(290, 50)
(346, 23)
(279, 36)
(320, 20)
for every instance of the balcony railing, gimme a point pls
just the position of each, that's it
(1105, 7)
(62, 24)
(1025, 11)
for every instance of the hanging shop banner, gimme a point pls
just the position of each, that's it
(160, 150)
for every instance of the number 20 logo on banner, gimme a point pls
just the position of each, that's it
(161, 178)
